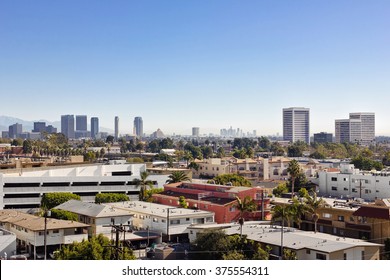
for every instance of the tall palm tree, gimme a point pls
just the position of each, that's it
(246, 205)
(282, 213)
(313, 204)
(298, 209)
(293, 169)
(176, 177)
(143, 183)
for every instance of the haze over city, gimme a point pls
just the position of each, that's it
(181, 64)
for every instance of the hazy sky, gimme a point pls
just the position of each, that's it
(180, 64)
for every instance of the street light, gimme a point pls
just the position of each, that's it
(47, 214)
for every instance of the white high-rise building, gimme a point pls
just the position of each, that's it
(359, 128)
(296, 124)
(116, 128)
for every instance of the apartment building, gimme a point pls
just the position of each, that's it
(349, 182)
(30, 229)
(216, 198)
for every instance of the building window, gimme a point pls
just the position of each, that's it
(175, 222)
(367, 181)
(334, 179)
(320, 256)
(327, 215)
(308, 251)
(340, 218)
(187, 219)
(345, 189)
(354, 190)
(345, 256)
(56, 231)
(362, 255)
(163, 221)
(334, 188)
(351, 219)
(232, 209)
(155, 220)
(345, 179)
(367, 191)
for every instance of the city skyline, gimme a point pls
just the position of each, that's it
(188, 64)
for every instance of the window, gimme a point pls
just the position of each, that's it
(345, 256)
(367, 191)
(308, 251)
(334, 188)
(367, 181)
(362, 255)
(351, 219)
(187, 219)
(56, 231)
(354, 190)
(155, 220)
(345, 189)
(345, 179)
(334, 179)
(232, 209)
(327, 215)
(163, 221)
(340, 218)
(175, 222)
(320, 256)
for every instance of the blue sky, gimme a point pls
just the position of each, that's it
(179, 64)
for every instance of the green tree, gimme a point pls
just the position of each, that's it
(211, 245)
(313, 205)
(293, 169)
(110, 197)
(233, 255)
(89, 156)
(144, 185)
(280, 189)
(183, 202)
(27, 147)
(177, 176)
(221, 152)
(233, 179)
(51, 200)
(63, 215)
(247, 205)
(96, 248)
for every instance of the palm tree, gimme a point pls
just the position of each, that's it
(244, 206)
(143, 183)
(293, 169)
(313, 204)
(282, 213)
(176, 177)
(297, 210)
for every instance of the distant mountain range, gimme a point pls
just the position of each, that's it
(6, 121)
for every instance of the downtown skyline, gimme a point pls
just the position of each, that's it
(184, 64)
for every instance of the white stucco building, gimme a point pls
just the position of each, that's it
(350, 182)
(24, 189)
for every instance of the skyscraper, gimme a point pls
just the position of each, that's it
(195, 132)
(81, 123)
(67, 126)
(94, 127)
(138, 127)
(116, 128)
(15, 130)
(296, 124)
(39, 127)
(359, 128)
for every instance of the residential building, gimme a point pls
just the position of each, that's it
(67, 126)
(25, 189)
(278, 168)
(116, 137)
(211, 167)
(216, 198)
(195, 132)
(15, 130)
(7, 243)
(296, 124)
(98, 216)
(138, 127)
(171, 222)
(94, 127)
(30, 232)
(349, 182)
(308, 245)
(323, 137)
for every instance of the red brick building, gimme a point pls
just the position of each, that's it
(216, 198)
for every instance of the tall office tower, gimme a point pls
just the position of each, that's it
(81, 123)
(138, 127)
(296, 124)
(94, 127)
(67, 126)
(116, 128)
(39, 127)
(15, 130)
(367, 126)
(348, 130)
(195, 132)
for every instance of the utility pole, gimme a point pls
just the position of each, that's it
(46, 214)
(360, 187)
(168, 222)
(118, 229)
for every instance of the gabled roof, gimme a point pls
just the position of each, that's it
(92, 209)
(36, 223)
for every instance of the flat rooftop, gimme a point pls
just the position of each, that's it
(159, 210)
